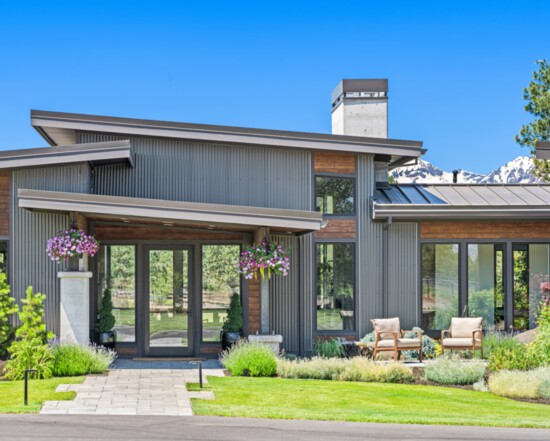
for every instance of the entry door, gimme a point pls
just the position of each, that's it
(168, 301)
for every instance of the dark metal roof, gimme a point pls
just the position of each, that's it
(459, 201)
(60, 128)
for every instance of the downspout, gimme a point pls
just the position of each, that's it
(385, 262)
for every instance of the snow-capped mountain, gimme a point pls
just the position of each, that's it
(517, 171)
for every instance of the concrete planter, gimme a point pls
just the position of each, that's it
(273, 341)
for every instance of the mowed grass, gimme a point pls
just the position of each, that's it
(365, 402)
(11, 394)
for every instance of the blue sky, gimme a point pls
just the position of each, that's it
(456, 69)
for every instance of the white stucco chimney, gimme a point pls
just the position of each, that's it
(360, 108)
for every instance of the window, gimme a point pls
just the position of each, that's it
(335, 297)
(4, 257)
(335, 195)
(220, 280)
(117, 271)
(531, 268)
(440, 287)
(486, 284)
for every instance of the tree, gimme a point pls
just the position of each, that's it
(106, 319)
(537, 95)
(7, 309)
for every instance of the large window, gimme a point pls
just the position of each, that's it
(531, 268)
(220, 280)
(335, 297)
(334, 195)
(440, 285)
(4, 257)
(117, 271)
(486, 284)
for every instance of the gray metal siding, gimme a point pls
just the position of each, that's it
(369, 254)
(402, 258)
(205, 172)
(30, 232)
(284, 298)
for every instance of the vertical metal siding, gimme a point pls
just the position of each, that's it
(369, 255)
(402, 261)
(284, 298)
(307, 287)
(205, 172)
(31, 231)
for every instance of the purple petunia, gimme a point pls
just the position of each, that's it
(71, 243)
(266, 259)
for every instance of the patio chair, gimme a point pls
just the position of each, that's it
(390, 337)
(464, 334)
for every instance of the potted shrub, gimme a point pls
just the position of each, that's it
(232, 327)
(104, 334)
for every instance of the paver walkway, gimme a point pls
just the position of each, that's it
(132, 391)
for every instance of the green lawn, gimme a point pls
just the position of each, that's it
(366, 402)
(11, 394)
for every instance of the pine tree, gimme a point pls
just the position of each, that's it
(537, 95)
(234, 321)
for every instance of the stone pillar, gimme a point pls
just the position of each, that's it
(264, 305)
(75, 307)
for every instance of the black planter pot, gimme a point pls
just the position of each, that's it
(105, 339)
(229, 339)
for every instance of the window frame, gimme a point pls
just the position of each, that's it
(336, 176)
(335, 332)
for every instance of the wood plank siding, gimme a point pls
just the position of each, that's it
(334, 162)
(253, 306)
(337, 229)
(4, 204)
(121, 232)
(484, 230)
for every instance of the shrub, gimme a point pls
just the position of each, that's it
(250, 359)
(30, 350)
(72, 360)
(531, 384)
(318, 368)
(428, 346)
(329, 348)
(511, 357)
(540, 347)
(106, 319)
(234, 320)
(496, 340)
(7, 309)
(355, 369)
(452, 371)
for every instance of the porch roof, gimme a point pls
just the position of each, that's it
(97, 153)
(462, 201)
(171, 212)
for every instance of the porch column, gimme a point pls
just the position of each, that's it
(261, 235)
(75, 307)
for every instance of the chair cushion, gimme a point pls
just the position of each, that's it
(459, 342)
(463, 327)
(385, 343)
(386, 326)
(408, 343)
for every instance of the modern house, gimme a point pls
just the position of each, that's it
(172, 204)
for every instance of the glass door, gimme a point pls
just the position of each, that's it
(168, 301)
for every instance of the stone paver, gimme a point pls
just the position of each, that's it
(130, 391)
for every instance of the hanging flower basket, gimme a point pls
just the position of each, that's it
(71, 244)
(266, 259)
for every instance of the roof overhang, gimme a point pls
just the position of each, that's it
(417, 212)
(61, 128)
(138, 209)
(543, 150)
(100, 153)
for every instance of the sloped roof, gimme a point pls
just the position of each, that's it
(418, 201)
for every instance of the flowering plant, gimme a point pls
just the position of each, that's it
(71, 243)
(267, 259)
